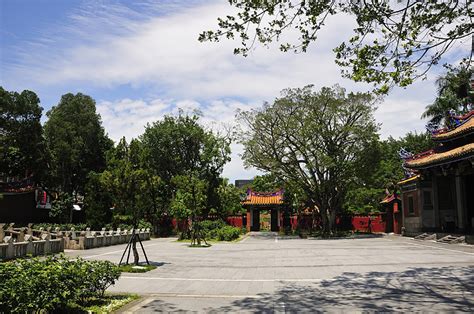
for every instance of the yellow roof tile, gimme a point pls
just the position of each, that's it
(439, 157)
(259, 198)
(466, 127)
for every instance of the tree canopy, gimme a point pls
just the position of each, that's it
(76, 142)
(180, 146)
(21, 139)
(393, 42)
(313, 140)
(455, 96)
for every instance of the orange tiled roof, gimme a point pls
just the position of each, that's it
(435, 158)
(464, 128)
(263, 198)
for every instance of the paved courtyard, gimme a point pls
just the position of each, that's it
(268, 273)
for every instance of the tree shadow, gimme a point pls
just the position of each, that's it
(416, 289)
(158, 264)
(160, 306)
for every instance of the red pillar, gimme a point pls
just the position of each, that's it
(248, 220)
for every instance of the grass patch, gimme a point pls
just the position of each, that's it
(131, 268)
(200, 245)
(107, 304)
(214, 241)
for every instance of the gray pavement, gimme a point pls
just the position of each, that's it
(268, 273)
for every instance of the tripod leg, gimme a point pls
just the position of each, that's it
(128, 244)
(143, 249)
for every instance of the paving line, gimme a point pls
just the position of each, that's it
(433, 247)
(315, 280)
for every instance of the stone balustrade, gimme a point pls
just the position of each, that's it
(88, 239)
(19, 242)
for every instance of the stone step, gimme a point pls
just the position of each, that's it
(426, 236)
(452, 239)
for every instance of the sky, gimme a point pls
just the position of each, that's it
(141, 60)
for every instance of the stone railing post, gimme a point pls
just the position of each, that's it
(21, 235)
(10, 248)
(93, 235)
(29, 247)
(73, 234)
(59, 235)
(127, 236)
(30, 229)
(81, 243)
(47, 245)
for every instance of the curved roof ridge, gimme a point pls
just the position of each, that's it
(465, 127)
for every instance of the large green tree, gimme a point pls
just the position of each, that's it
(392, 42)
(381, 169)
(179, 145)
(76, 142)
(21, 141)
(313, 140)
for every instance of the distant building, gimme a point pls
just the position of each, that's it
(22, 201)
(242, 183)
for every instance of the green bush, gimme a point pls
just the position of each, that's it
(31, 285)
(211, 227)
(228, 233)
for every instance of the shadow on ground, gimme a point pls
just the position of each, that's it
(417, 289)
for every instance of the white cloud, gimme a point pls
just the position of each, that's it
(127, 117)
(105, 47)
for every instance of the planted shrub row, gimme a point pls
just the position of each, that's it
(54, 283)
(218, 229)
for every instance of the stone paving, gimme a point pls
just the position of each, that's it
(268, 273)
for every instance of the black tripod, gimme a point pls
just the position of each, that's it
(132, 244)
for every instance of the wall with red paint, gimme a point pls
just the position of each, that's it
(235, 221)
(361, 223)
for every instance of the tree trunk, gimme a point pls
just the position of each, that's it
(134, 248)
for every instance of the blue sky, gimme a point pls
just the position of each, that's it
(141, 59)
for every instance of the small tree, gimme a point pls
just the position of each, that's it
(230, 199)
(190, 202)
(97, 201)
(62, 207)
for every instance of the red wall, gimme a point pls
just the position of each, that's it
(361, 223)
(235, 221)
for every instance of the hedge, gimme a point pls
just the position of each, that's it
(32, 285)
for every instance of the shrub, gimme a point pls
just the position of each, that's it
(228, 233)
(210, 228)
(31, 285)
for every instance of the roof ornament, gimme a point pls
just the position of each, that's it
(405, 155)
